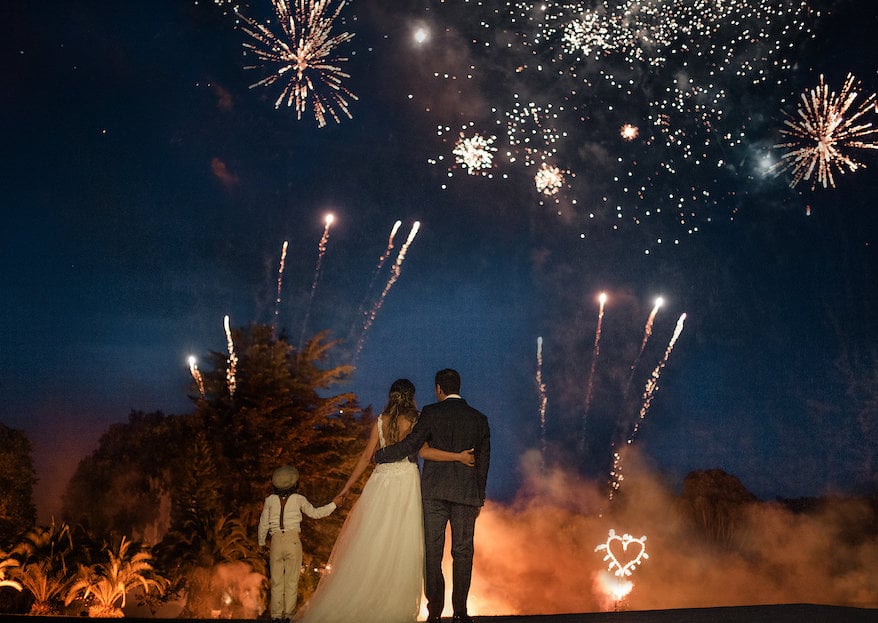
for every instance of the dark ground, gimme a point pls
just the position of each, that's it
(788, 613)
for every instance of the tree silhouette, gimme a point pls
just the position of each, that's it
(17, 478)
(122, 488)
(195, 483)
(282, 412)
(716, 502)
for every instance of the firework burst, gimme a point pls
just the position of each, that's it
(556, 81)
(548, 179)
(475, 153)
(305, 56)
(629, 132)
(826, 126)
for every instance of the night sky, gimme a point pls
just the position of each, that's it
(148, 191)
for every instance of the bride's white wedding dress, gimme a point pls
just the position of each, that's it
(375, 570)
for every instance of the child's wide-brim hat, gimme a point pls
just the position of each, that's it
(285, 477)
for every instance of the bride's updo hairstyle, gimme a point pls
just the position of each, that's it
(400, 403)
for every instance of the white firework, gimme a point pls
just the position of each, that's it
(475, 153)
(549, 179)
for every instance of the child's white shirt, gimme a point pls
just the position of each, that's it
(296, 506)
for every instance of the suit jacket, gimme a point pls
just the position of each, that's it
(454, 426)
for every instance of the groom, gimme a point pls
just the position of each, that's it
(451, 491)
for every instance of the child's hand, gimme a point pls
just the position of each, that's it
(339, 499)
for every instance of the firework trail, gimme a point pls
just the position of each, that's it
(821, 130)
(647, 332)
(389, 248)
(541, 388)
(280, 276)
(305, 55)
(321, 251)
(594, 361)
(196, 374)
(394, 275)
(232, 367)
(649, 390)
(381, 260)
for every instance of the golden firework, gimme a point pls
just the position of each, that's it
(825, 127)
(305, 55)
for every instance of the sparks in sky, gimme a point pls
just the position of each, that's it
(196, 374)
(616, 474)
(549, 179)
(554, 80)
(232, 362)
(475, 153)
(280, 277)
(395, 272)
(594, 360)
(361, 311)
(823, 131)
(321, 251)
(305, 56)
(629, 132)
(541, 388)
(647, 331)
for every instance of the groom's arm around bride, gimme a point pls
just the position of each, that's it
(454, 426)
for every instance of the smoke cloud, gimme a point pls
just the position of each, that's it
(537, 553)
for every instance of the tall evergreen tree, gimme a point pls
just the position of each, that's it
(279, 410)
(196, 494)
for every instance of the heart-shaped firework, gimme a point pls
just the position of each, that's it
(624, 553)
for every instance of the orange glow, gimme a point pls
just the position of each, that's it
(613, 587)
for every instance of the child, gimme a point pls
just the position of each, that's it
(280, 519)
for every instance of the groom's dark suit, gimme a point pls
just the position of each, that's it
(451, 491)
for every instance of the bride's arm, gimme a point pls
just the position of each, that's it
(363, 462)
(467, 457)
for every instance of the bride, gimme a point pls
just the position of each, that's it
(375, 570)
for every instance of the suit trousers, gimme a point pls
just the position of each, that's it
(462, 517)
(285, 564)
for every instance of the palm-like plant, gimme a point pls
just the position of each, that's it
(105, 585)
(46, 587)
(53, 542)
(7, 563)
(45, 554)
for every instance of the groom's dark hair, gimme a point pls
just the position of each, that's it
(448, 381)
